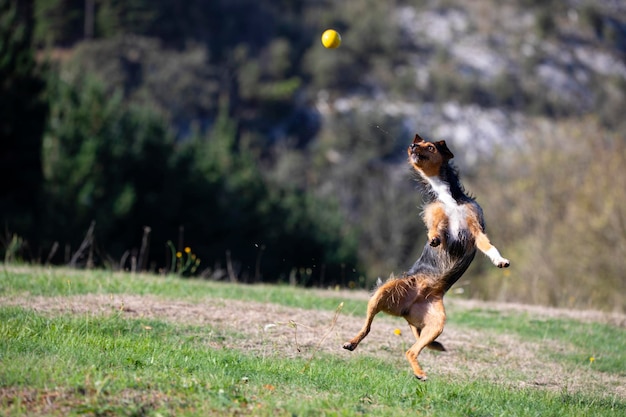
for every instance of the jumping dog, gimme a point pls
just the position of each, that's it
(456, 228)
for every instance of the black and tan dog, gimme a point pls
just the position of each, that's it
(455, 229)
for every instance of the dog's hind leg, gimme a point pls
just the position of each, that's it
(434, 345)
(373, 308)
(428, 319)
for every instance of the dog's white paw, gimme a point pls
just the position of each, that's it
(502, 263)
(496, 258)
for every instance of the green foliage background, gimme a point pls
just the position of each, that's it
(201, 123)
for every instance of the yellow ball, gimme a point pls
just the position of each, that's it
(331, 39)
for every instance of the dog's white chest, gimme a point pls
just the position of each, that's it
(457, 220)
(456, 213)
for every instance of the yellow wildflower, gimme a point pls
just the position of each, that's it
(179, 254)
(397, 332)
(187, 249)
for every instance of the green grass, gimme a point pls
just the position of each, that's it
(604, 343)
(116, 366)
(108, 365)
(64, 282)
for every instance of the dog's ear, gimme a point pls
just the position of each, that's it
(417, 139)
(443, 149)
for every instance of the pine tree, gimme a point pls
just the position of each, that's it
(23, 113)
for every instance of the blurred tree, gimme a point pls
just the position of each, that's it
(23, 113)
(181, 85)
(58, 23)
(118, 165)
(269, 229)
(100, 159)
(283, 188)
(561, 217)
(356, 161)
(118, 17)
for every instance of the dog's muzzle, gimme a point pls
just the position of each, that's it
(415, 155)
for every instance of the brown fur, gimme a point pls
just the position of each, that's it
(418, 296)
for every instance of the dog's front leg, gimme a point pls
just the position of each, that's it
(436, 221)
(484, 245)
(494, 255)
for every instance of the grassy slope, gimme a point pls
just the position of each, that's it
(111, 365)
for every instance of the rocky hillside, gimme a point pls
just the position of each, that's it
(477, 71)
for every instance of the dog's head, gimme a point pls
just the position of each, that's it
(428, 157)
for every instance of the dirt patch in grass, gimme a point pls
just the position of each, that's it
(274, 330)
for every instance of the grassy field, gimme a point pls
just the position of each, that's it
(104, 344)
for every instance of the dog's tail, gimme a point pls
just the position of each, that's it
(436, 346)
(379, 282)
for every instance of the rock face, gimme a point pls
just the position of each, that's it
(499, 66)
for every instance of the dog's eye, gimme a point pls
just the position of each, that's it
(431, 148)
